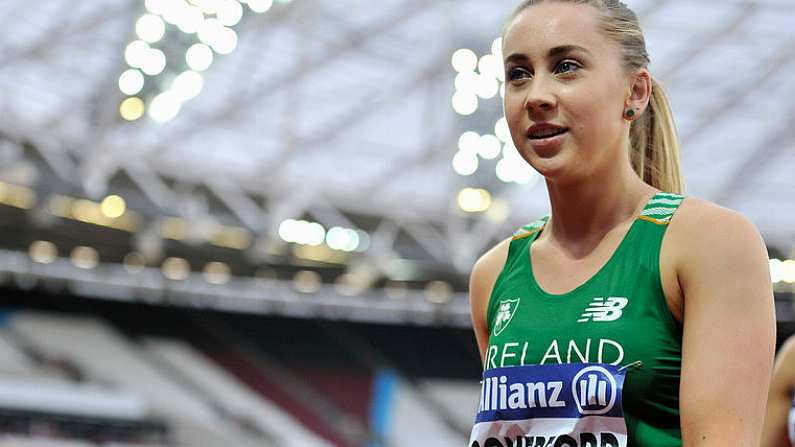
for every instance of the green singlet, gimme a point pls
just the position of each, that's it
(618, 317)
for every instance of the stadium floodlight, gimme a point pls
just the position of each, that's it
(230, 12)
(131, 82)
(132, 109)
(199, 57)
(465, 163)
(464, 60)
(225, 41)
(164, 107)
(474, 200)
(260, 6)
(113, 206)
(187, 85)
(489, 147)
(150, 28)
(154, 62)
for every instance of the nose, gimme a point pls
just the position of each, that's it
(541, 98)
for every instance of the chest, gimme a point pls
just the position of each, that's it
(558, 272)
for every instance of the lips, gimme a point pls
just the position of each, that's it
(545, 130)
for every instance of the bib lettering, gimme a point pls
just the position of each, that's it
(568, 405)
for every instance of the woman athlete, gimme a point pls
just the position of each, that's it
(631, 316)
(779, 430)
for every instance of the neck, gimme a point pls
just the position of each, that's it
(587, 210)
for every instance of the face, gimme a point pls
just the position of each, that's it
(565, 78)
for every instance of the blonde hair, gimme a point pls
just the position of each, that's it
(654, 143)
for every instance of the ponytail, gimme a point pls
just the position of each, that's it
(654, 145)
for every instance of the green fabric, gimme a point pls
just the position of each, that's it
(621, 308)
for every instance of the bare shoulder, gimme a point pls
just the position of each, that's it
(484, 275)
(488, 267)
(702, 230)
(481, 282)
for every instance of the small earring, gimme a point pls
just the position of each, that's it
(630, 113)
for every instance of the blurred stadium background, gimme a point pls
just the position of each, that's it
(240, 223)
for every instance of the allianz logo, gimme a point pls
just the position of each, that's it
(593, 391)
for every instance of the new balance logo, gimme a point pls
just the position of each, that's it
(594, 390)
(604, 310)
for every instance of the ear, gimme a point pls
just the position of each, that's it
(639, 92)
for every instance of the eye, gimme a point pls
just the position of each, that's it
(517, 73)
(567, 67)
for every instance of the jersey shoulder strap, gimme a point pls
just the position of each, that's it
(661, 208)
(530, 229)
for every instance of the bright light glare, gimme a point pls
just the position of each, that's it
(187, 85)
(502, 131)
(302, 232)
(489, 147)
(150, 28)
(164, 107)
(343, 239)
(776, 271)
(113, 206)
(260, 6)
(225, 41)
(469, 142)
(465, 163)
(190, 20)
(131, 109)
(505, 171)
(465, 103)
(136, 53)
(315, 234)
(131, 82)
(230, 12)
(467, 82)
(487, 87)
(174, 11)
(489, 66)
(208, 6)
(474, 200)
(788, 271)
(199, 57)
(464, 60)
(154, 62)
(209, 31)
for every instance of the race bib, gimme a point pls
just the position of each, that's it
(570, 405)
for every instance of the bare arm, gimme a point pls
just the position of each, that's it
(780, 399)
(729, 329)
(481, 282)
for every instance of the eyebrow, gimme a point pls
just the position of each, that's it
(553, 52)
